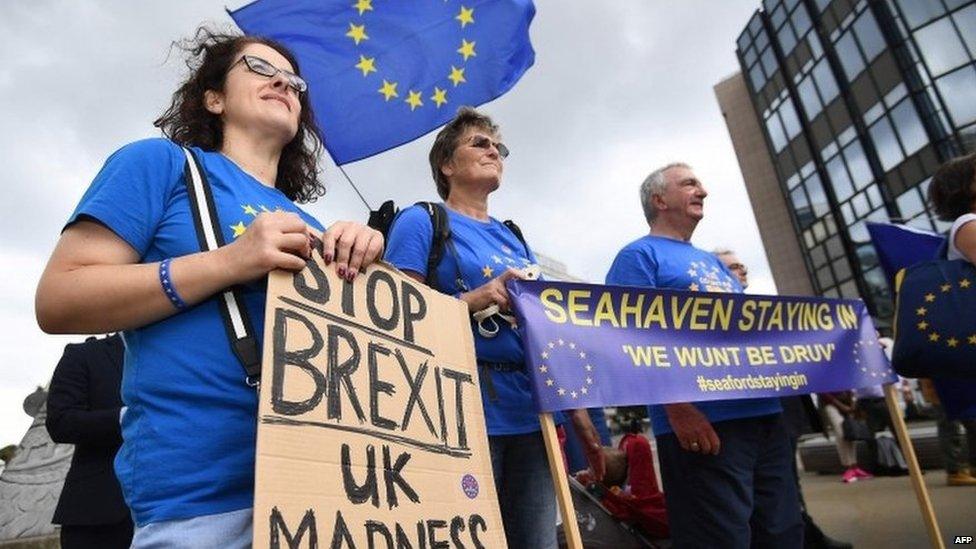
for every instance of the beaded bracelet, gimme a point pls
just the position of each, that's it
(167, 283)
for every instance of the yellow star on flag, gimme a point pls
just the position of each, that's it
(972, 339)
(583, 390)
(357, 33)
(413, 99)
(929, 298)
(946, 287)
(921, 311)
(366, 64)
(964, 283)
(389, 90)
(933, 337)
(923, 325)
(574, 394)
(363, 6)
(439, 97)
(487, 271)
(250, 210)
(466, 16)
(543, 369)
(549, 382)
(582, 354)
(238, 229)
(693, 287)
(952, 342)
(561, 391)
(467, 49)
(456, 76)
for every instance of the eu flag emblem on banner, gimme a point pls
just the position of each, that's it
(382, 73)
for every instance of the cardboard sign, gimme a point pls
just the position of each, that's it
(371, 432)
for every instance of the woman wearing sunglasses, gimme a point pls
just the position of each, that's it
(129, 260)
(481, 254)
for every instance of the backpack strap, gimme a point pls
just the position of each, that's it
(518, 234)
(237, 322)
(382, 218)
(440, 241)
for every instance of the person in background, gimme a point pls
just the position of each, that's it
(725, 465)
(467, 160)
(84, 408)
(800, 415)
(958, 450)
(734, 265)
(129, 259)
(884, 449)
(836, 406)
(952, 195)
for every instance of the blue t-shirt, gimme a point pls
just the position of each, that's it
(484, 250)
(190, 426)
(659, 262)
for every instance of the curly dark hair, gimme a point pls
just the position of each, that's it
(952, 192)
(447, 141)
(209, 55)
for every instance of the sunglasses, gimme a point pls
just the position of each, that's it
(483, 142)
(264, 68)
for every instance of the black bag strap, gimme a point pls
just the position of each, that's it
(237, 322)
(517, 232)
(441, 240)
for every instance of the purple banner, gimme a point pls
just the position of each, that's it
(588, 345)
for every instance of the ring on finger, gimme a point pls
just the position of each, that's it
(694, 446)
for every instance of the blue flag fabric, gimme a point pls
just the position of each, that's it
(900, 246)
(589, 346)
(383, 73)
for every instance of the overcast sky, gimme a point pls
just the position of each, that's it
(618, 89)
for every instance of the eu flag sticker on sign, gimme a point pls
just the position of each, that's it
(382, 73)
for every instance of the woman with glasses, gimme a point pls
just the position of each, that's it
(481, 254)
(129, 260)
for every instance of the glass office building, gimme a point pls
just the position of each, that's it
(860, 101)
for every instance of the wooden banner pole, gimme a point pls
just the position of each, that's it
(918, 483)
(558, 469)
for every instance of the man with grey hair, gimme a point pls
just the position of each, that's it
(726, 465)
(734, 265)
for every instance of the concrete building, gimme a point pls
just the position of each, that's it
(842, 112)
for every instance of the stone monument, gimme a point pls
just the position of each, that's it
(31, 483)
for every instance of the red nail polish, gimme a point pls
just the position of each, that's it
(342, 272)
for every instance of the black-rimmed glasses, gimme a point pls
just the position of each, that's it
(483, 142)
(264, 68)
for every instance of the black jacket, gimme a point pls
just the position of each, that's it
(83, 406)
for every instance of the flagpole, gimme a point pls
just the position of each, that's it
(354, 187)
(563, 496)
(918, 483)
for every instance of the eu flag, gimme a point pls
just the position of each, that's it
(382, 73)
(901, 246)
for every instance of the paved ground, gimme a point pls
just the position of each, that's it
(883, 512)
